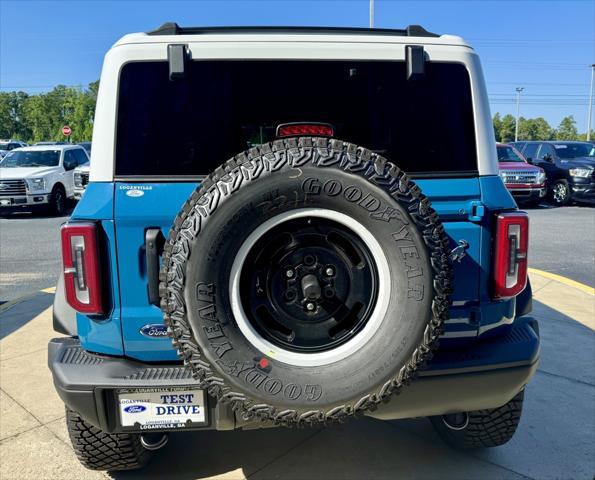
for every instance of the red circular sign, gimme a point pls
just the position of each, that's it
(66, 130)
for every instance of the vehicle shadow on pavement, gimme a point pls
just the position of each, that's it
(359, 449)
(28, 215)
(553, 441)
(17, 315)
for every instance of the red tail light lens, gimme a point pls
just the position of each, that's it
(82, 274)
(510, 255)
(298, 129)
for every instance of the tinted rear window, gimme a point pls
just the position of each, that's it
(188, 127)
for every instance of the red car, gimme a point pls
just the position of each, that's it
(524, 181)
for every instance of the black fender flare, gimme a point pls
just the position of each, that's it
(524, 301)
(63, 315)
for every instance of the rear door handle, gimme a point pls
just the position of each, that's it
(154, 241)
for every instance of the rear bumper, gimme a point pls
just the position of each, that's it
(486, 375)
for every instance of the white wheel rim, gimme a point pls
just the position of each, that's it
(318, 358)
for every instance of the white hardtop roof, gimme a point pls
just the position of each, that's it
(280, 43)
(172, 33)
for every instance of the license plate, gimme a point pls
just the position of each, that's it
(161, 408)
(5, 201)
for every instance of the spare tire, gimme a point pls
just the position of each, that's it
(305, 281)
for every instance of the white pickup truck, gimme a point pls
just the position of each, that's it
(39, 176)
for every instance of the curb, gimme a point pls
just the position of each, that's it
(565, 280)
(568, 297)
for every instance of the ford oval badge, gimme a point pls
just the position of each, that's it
(135, 193)
(135, 409)
(154, 330)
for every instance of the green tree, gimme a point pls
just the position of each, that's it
(507, 128)
(37, 118)
(543, 130)
(41, 117)
(534, 129)
(12, 124)
(567, 129)
(583, 136)
(497, 122)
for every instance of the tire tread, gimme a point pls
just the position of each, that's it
(98, 450)
(486, 428)
(249, 166)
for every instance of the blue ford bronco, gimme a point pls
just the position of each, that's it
(251, 253)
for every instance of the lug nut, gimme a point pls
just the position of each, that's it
(310, 306)
(329, 271)
(289, 273)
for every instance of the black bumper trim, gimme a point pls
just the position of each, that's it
(484, 376)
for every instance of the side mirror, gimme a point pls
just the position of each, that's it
(69, 165)
(529, 159)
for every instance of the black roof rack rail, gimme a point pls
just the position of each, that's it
(172, 28)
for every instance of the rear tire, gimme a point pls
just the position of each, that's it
(481, 428)
(98, 450)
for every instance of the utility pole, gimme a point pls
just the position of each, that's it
(371, 13)
(518, 109)
(590, 103)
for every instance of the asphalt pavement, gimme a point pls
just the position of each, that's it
(562, 241)
(30, 255)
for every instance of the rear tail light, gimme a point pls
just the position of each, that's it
(299, 129)
(82, 275)
(510, 256)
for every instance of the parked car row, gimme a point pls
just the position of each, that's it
(531, 170)
(562, 171)
(40, 176)
(525, 182)
(569, 168)
(9, 145)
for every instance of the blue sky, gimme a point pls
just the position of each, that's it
(544, 46)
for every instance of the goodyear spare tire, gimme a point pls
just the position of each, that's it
(305, 281)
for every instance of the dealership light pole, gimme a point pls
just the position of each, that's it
(518, 109)
(371, 13)
(590, 103)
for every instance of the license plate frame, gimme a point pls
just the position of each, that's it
(143, 413)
